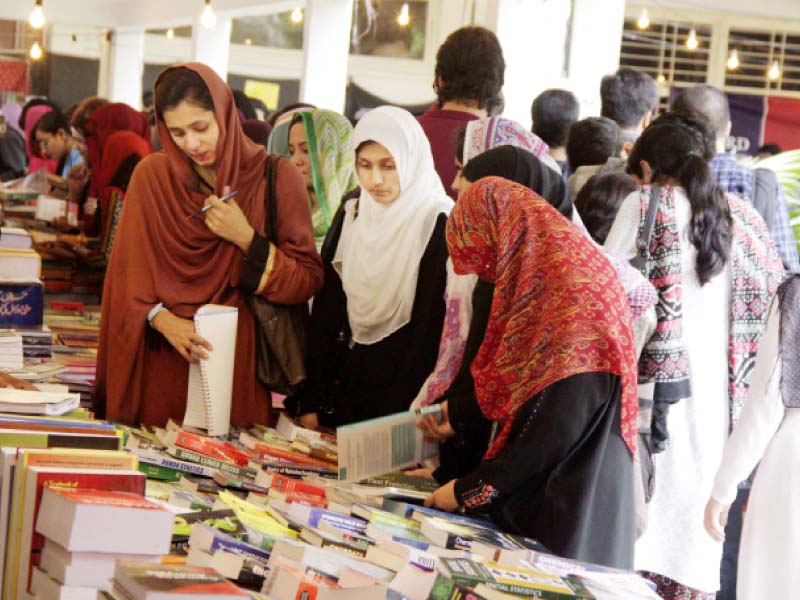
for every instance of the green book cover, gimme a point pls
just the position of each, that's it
(159, 472)
(514, 580)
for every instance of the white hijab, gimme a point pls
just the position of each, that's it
(379, 252)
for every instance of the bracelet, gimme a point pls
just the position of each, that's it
(154, 311)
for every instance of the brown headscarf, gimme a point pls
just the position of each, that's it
(160, 256)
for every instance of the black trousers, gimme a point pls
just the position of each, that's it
(730, 550)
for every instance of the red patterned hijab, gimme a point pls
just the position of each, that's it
(558, 309)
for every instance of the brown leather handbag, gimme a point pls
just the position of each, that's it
(280, 328)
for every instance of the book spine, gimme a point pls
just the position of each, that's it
(252, 576)
(233, 546)
(341, 522)
(159, 472)
(300, 471)
(343, 547)
(178, 465)
(202, 459)
(210, 448)
(287, 485)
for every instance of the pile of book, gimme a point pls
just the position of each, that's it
(257, 514)
(10, 350)
(86, 531)
(76, 331)
(18, 202)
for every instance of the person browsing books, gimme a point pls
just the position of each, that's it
(320, 143)
(376, 323)
(165, 266)
(561, 389)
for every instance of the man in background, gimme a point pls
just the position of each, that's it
(629, 97)
(760, 186)
(468, 83)
(552, 113)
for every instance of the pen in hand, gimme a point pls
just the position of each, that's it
(208, 206)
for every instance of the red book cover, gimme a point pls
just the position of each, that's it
(289, 485)
(265, 450)
(212, 448)
(69, 479)
(303, 498)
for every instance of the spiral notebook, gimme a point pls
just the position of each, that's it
(208, 402)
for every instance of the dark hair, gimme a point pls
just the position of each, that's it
(706, 102)
(30, 104)
(273, 118)
(599, 200)
(552, 113)
(471, 67)
(771, 149)
(51, 123)
(674, 148)
(244, 104)
(178, 84)
(84, 111)
(592, 141)
(627, 96)
(458, 143)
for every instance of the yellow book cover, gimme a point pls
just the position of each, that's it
(255, 516)
(72, 458)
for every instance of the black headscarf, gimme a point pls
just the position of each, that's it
(520, 166)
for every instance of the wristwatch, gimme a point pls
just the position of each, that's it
(154, 311)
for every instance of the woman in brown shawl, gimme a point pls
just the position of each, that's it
(165, 266)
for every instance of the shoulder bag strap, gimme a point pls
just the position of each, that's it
(271, 174)
(643, 242)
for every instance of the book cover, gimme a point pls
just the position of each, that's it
(139, 578)
(21, 304)
(341, 542)
(216, 449)
(286, 484)
(184, 454)
(514, 580)
(211, 540)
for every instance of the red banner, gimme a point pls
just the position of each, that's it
(14, 76)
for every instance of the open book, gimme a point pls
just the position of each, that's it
(37, 403)
(383, 445)
(208, 403)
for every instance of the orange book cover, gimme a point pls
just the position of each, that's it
(212, 448)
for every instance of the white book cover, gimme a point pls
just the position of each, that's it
(208, 403)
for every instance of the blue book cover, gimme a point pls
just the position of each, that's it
(21, 304)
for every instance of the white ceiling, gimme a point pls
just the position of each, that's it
(137, 13)
(155, 13)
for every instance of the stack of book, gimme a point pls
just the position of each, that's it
(10, 350)
(18, 202)
(76, 331)
(86, 531)
(142, 581)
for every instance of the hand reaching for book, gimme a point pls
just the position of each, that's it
(7, 380)
(181, 334)
(444, 498)
(716, 518)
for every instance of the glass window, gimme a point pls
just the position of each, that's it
(389, 28)
(280, 30)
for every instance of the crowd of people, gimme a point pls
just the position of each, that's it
(594, 304)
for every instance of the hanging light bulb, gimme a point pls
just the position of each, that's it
(170, 33)
(644, 20)
(248, 42)
(297, 15)
(661, 78)
(733, 60)
(403, 19)
(36, 19)
(208, 18)
(774, 71)
(691, 41)
(36, 51)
